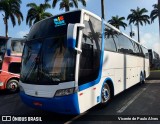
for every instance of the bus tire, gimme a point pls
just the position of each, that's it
(142, 79)
(105, 94)
(12, 85)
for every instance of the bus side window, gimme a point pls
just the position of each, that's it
(141, 52)
(14, 67)
(145, 52)
(110, 40)
(125, 45)
(136, 49)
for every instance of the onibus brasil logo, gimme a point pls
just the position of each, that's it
(59, 21)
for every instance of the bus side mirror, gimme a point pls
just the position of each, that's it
(72, 34)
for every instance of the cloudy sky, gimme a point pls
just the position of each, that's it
(149, 34)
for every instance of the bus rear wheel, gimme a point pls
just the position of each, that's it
(142, 78)
(12, 85)
(105, 94)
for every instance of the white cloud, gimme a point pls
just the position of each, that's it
(156, 47)
(147, 37)
(151, 41)
(21, 34)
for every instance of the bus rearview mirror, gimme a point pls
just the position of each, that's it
(72, 34)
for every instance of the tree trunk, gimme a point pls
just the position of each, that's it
(138, 32)
(6, 25)
(102, 9)
(66, 9)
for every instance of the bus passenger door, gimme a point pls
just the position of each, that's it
(90, 59)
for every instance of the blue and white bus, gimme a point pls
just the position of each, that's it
(74, 61)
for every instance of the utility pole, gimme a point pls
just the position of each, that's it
(102, 7)
(159, 15)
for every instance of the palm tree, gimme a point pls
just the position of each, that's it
(11, 9)
(67, 4)
(138, 17)
(117, 22)
(37, 13)
(154, 13)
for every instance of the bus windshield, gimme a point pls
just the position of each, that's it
(2, 50)
(17, 46)
(48, 61)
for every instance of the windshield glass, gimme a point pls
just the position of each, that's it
(48, 61)
(17, 47)
(2, 50)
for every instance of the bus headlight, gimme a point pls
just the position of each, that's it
(1, 83)
(64, 92)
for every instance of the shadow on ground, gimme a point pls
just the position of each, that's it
(154, 76)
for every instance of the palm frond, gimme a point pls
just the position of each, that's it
(75, 2)
(13, 20)
(83, 2)
(55, 3)
(32, 5)
(37, 13)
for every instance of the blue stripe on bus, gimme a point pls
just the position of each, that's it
(90, 84)
(64, 104)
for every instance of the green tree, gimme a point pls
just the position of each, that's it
(138, 17)
(11, 9)
(37, 13)
(67, 4)
(154, 13)
(118, 22)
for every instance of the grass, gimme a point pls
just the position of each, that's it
(155, 70)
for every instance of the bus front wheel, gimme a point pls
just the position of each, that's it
(12, 85)
(105, 94)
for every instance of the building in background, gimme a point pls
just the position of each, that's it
(154, 59)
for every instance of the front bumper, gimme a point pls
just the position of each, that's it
(64, 104)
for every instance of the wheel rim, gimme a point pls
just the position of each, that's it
(105, 94)
(141, 79)
(13, 86)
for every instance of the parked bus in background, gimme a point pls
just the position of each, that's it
(154, 59)
(10, 62)
(74, 61)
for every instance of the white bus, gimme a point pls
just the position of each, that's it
(74, 61)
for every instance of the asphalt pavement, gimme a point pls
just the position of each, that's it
(140, 102)
(154, 76)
